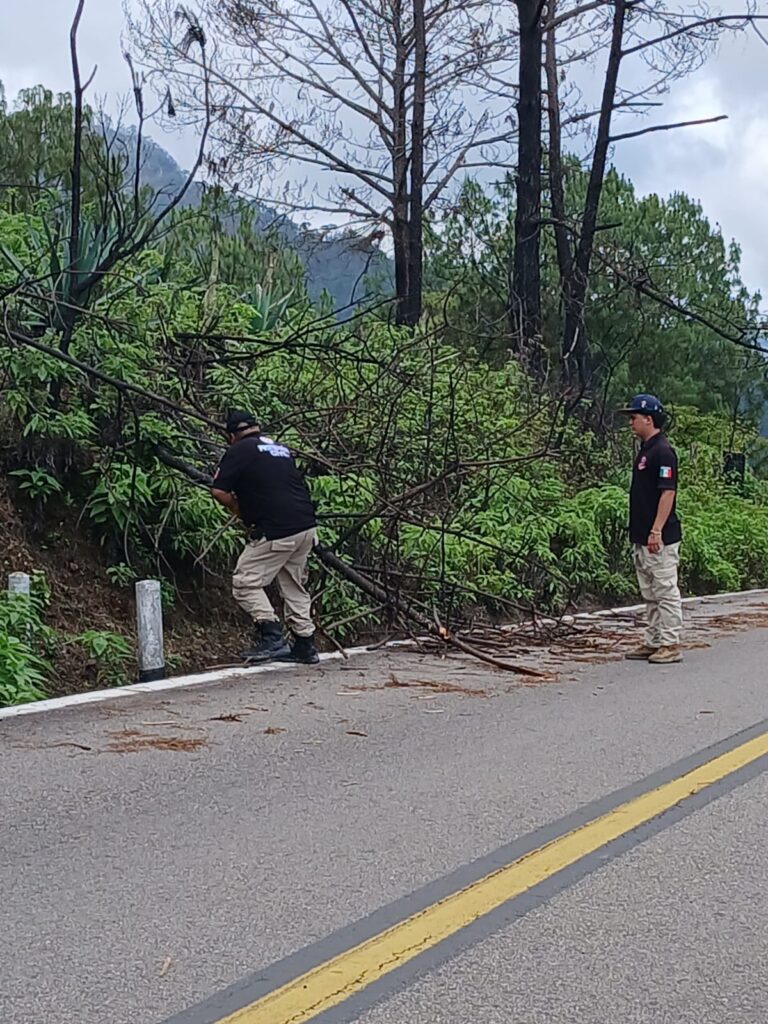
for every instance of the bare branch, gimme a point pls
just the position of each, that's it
(640, 282)
(723, 20)
(561, 19)
(668, 127)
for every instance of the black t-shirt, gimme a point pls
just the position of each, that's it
(654, 471)
(270, 490)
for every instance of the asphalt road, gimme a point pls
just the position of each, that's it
(156, 850)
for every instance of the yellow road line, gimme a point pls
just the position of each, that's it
(337, 979)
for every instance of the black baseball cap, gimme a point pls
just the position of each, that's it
(646, 405)
(238, 419)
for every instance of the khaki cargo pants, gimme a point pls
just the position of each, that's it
(657, 576)
(283, 561)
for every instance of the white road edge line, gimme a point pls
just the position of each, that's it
(219, 675)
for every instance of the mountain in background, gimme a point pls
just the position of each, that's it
(338, 264)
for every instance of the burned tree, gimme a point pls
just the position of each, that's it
(671, 41)
(392, 98)
(525, 275)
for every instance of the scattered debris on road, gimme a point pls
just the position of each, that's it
(131, 741)
(438, 687)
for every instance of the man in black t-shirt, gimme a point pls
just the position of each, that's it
(258, 481)
(655, 532)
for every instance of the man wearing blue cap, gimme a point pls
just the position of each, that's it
(655, 533)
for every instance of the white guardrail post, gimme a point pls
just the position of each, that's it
(149, 621)
(18, 583)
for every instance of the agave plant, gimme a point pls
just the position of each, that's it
(269, 308)
(51, 276)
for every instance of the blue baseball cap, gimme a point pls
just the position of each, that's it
(644, 404)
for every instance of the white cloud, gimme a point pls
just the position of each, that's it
(34, 45)
(34, 50)
(725, 165)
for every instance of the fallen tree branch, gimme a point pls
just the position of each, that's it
(388, 504)
(332, 561)
(174, 462)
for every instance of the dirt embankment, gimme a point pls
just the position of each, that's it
(204, 628)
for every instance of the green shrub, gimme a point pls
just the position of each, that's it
(110, 652)
(24, 643)
(36, 483)
(22, 672)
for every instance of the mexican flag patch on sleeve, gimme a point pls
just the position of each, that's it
(665, 472)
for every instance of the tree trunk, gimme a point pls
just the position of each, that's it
(575, 352)
(525, 284)
(400, 227)
(416, 205)
(555, 157)
(401, 247)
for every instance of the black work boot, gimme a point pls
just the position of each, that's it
(269, 644)
(303, 651)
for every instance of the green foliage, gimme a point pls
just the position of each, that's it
(725, 540)
(29, 647)
(121, 575)
(268, 309)
(36, 483)
(22, 672)
(168, 593)
(24, 643)
(36, 147)
(121, 492)
(637, 343)
(111, 654)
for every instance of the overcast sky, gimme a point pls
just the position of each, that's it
(725, 166)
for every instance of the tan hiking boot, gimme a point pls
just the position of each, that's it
(666, 656)
(642, 653)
